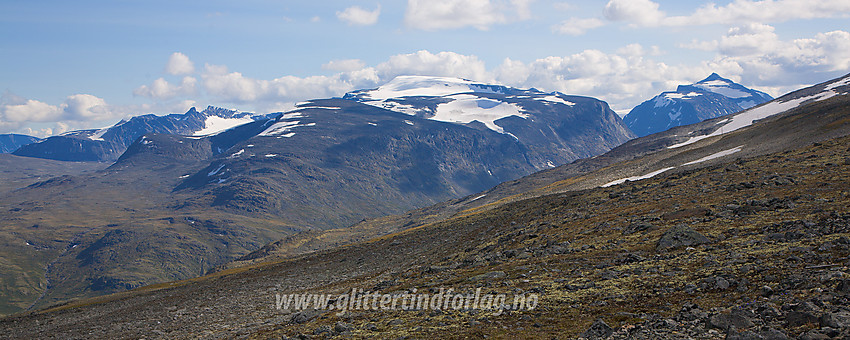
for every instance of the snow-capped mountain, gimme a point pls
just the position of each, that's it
(11, 142)
(708, 98)
(570, 126)
(109, 143)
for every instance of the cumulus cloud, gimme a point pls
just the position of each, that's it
(757, 54)
(179, 64)
(358, 16)
(229, 86)
(448, 64)
(161, 89)
(647, 12)
(623, 79)
(434, 15)
(577, 26)
(642, 12)
(344, 65)
(76, 110)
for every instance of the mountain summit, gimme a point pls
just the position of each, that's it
(708, 98)
(107, 144)
(560, 127)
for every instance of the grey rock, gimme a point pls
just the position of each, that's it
(773, 334)
(680, 236)
(340, 327)
(304, 316)
(799, 318)
(835, 320)
(322, 329)
(736, 318)
(488, 276)
(598, 330)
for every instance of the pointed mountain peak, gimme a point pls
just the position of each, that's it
(713, 76)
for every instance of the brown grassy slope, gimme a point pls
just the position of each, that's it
(813, 122)
(589, 254)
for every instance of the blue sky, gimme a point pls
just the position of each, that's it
(87, 64)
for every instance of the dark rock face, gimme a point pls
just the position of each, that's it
(11, 142)
(680, 236)
(709, 98)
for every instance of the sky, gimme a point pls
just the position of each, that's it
(67, 65)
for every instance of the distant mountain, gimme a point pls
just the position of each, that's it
(745, 223)
(711, 97)
(196, 202)
(107, 144)
(11, 142)
(558, 128)
(806, 116)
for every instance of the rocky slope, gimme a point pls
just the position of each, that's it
(732, 245)
(711, 97)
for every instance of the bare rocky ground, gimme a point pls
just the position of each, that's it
(750, 249)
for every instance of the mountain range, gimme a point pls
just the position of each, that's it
(732, 227)
(711, 97)
(107, 144)
(174, 206)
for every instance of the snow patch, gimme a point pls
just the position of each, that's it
(283, 128)
(408, 122)
(746, 118)
(466, 108)
(676, 95)
(320, 108)
(674, 115)
(842, 82)
(216, 124)
(214, 172)
(637, 178)
(416, 86)
(184, 176)
(478, 198)
(271, 155)
(555, 99)
(722, 88)
(550, 164)
(236, 154)
(98, 135)
(716, 155)
(373, 124)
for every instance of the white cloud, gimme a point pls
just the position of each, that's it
(647, 13)
(76, 110)
(178, 64)
(448, 64)
(161, 89)
(358, 16)
(344, 65)
(228, 86)
(642, 12)
(755, 53)
(577, 26)
(30, 111)
(623, 79)
(433, 15)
